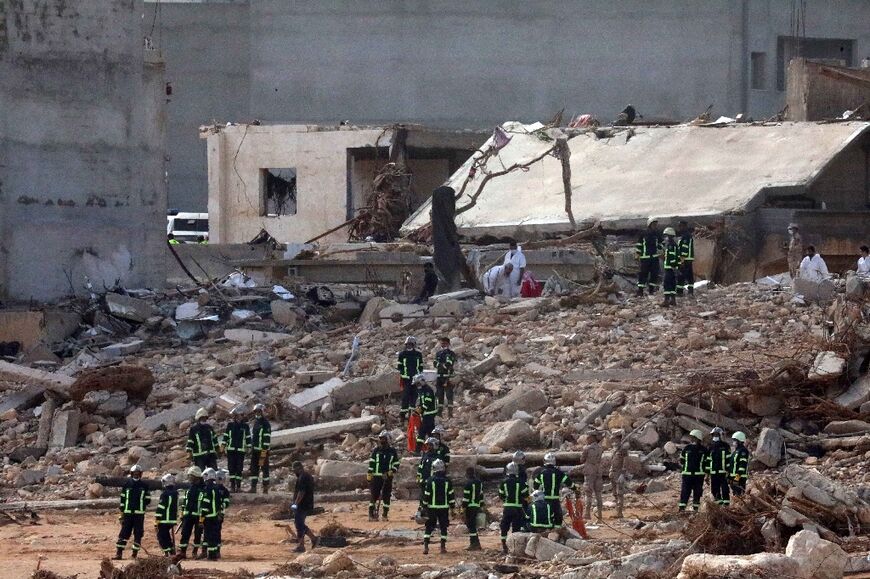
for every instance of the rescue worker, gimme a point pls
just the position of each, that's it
(647, 250)
(551, 481)
(424, 469)
(739, 464)
(202, 442)
(617, 472)
(261, 441)
(383, 464)
(813, 267)
(472, 504)
(540, 513)
(497, 280)
(593, 482)
(170, 238)
(519, 459)
(209, 515)
(671, 254)
(437, 499)
(443, 451)
(427, 408)
(235, 442)
(795, 250)
(514, 495)
(135, 498)
(717, 467)
(410, 364)
(224, 497)
(430, 284)
(303, 505)
(517, 259)
(692, 459)
(686, 247)
(191, 505)
(445, 362)
(166, 515)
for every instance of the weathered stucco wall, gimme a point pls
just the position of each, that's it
(816, 92)
(82, 187)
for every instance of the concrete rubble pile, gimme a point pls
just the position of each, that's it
(536, 374)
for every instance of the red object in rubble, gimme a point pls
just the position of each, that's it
(531, 288)
(414, 424)
(575, 513)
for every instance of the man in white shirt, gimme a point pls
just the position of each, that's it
(864, 261)
(813, 267)
(515, 257)
(497, 280)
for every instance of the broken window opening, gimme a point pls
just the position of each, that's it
(279, 192)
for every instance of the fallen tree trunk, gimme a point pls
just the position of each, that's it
(59, 505)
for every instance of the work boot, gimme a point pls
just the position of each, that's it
(373, 516)
(203, 554)
(195, 553)
(386, 513)
(666, 303)
(183, 553)
(475, 544)
(300, 548)
(134, 553)
(426, 547)
(443, 546)
(639, 292)
(265, 488)
(119, 554)
(691, 291)
(253, 488)
(504, 548)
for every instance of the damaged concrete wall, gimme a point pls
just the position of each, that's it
(82, 148)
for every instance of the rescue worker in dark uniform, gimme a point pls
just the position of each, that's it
(424, 469)
(692, 459)
(190, 509)
(519, 459)
(383, 464)
(135, 498)
(514, 495)
(445, 366)
(261, 441)
(717, 467)
(202, 442)
(671, 254)
(647, 250)
(443, 451)
(427, 408)
(209, 516)
(540, 513)
(410, 364)
(551, 480)
(166, 515)
(437, 499)
(235, 442)
(738, 464)
(686, 273)
(472, 503)
(224, 497)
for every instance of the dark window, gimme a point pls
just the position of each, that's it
(191, 224)
(279, 192)
(759, 70)
(836, 51)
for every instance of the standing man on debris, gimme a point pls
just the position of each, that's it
(671, 264)
(593, 481)
(235, 442)
(135, 498)
(617, 472)
(303, 504)
(202, 442)
(686, 247)
(445, 362)
(430, 284)
(519, 459)
(424, 468)
(437, 499)
(410, 364)
(739, 464)
(224, 497)
(692, 459)
(813, 267)
(647, 249)
(472, 504)
(209, 515)
(551, 481)
(166, 515)
(795, 250)
(427, 408)
(191, 506)
(717, 467)
(517, 260)
(383, 464)
(514, 495)
(261, 437)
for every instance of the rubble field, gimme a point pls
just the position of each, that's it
(535, 374)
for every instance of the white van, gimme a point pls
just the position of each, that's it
(187, 227)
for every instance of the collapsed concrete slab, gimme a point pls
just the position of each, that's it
(250, 336)
(31, 328)
(734, 566)
(291, 436)
(366, 387)
(167, 418)
(312, 399)
(128, 308)
(17, 373)
(856, 395)
(713, 418)
(510, 434)
(527, 399)
(313, 377)
(64, 429)
(826, 366)
(27, 397)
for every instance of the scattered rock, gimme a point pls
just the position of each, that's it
(738, 566)
(769, 449)
(511, 434)
(816, 557)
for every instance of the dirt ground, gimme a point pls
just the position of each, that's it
(69, 542)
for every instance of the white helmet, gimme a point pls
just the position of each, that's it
(652, 220)
(259, 407)
(717, 431)
(538, 495)
(432, 442)
(201, 413)
(221, 474)
(438, 466)
(511, 469)
(418, 380)
(194, 472)
(739, 436)
(237, 410)
(550, 459)
(410, 341)
(135, 468)
(439, 430)
(519, 457)
(168, 479)
(384, 435)
(209, 474)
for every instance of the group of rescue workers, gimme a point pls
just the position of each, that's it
(672, 251)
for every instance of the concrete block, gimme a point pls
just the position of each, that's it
(287, 314)
(121, 349)
(343, 312)
(516, 543)
(541, 370)
(313, 398)
(313, 377)
(547, 550)
(400, 314)
(291, 436)
(64, 429)
(510, 434)
(228, 401)
(526, 399)
(31, 328)
(450, 309)
(713, 418)
(168, 418)
(816, 557)
(815, 291)
(827, 365)
(16, 373)
(758, 565)
(188, 311)
(128, 308)
(486, 365)
(26, 398)
(245, 336)
(341, 474)
(768, 451)
(366, 387)
(857, 394)
(457, 295)
(371, 313)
